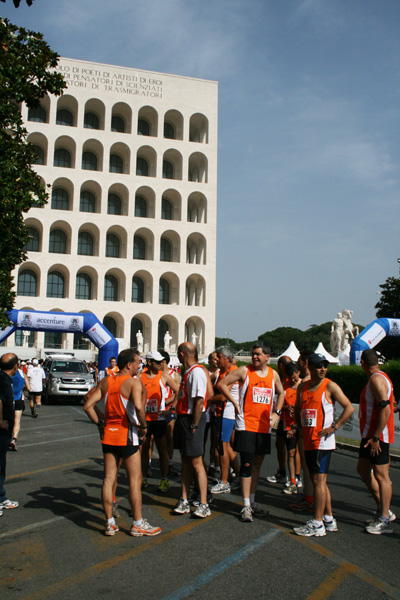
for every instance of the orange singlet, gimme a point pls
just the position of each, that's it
(111, 372)
(316, 414)
(157, 393)
(255, 402)
(120, 415)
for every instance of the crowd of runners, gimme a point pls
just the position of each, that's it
(177, 405)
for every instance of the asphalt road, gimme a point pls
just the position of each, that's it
(53, 545)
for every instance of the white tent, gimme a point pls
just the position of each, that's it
(291, 351)
(321, 350)
(344, 356)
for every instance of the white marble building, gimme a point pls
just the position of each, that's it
(129, 232)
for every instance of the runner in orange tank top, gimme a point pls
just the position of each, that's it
(124, 428)
(314, 418)
(257, 386)
(112, 369)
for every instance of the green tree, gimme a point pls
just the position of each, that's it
(26, 75)
(389, 303)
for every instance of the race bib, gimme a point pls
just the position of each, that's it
(151, 405)
(262, 395)
(309, 417)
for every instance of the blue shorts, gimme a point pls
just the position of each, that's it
(224, 433)
(318, 460)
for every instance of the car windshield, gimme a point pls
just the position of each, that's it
(68, 367)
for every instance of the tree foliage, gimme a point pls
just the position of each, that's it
(389, 303)
(26, 75)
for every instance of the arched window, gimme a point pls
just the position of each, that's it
(167, 170)
(19, 338)
(114, 205)
(58, 242)
(53, 339)
(112, 245)
(137, 289)
(143, 128)
(165, 250)
(116, 164)
(142, 167)
(55, 285)
(83, 288)
(111, 325)
(166, 209)
(110, 288)
(139, 248)
(62, 158)
(37, 114)
(162, 330)
(136, 326)
(87, 202)
(39, 155)
(34, 240)
(27, 283)
(117, 124)
(169, 131)
(89, 161)
(140, 207)
(64, 117)
(91, 121)
(60, 199)
(164, 292)
(85, 244)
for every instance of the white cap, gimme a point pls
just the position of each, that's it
(154, 355)
(35, 361)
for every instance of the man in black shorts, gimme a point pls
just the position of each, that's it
(376, 414)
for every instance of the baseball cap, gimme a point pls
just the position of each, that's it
(35, 361)
(154, 355)
(317, 360)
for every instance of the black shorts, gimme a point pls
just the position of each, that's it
(252, 442)
(280, 430)
(318, 460)
(291, 442)
(170, 418)
(120, 451)
(19, 405)
(156, 428)
(382, 458)
(189, 443)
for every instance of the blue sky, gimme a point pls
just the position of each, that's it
(308, 179)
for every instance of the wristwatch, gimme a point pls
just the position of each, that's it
(193, 426)
(278, 412)
(375, 438)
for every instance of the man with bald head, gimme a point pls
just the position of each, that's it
(189, 429)
(8, 368)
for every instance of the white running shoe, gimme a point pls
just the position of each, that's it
(309, 529)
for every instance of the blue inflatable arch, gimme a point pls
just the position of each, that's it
(372, 335)
(65, 322)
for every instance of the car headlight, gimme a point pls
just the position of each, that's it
(56, 380)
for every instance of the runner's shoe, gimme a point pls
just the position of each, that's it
(277, 478)
(115, 512)
(221, 488)
(164, 486)
(149, 471)
(303, 506)
(194, 500)
(290, 490)
(299, 482)
(145, 483)
(1, 513)
(235, 484)
(331, 525)
(13, 445)
(309, 529)
(172, 470)
(246, 514)
(6, 504)
(379, 527)
(144, 529)
(258, 511)
(111, 529)
(35, 413)
(202, 511)
(392, 517)
(182, 507)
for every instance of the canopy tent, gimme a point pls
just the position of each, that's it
(321, 350)
(291, 351)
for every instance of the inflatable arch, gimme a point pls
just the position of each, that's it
(65, 322)
(372, 335)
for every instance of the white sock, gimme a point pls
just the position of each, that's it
(138, 523)
(111, 521)
(317, 523)
(246, 501)
(328, 518)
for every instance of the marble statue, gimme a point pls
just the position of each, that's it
(342, 331)
(167, 341)
(139, 341)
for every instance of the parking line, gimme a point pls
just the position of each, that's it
(78, 462)
(62, 585)
(222, 566)
(68, 439)
(329, 585)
